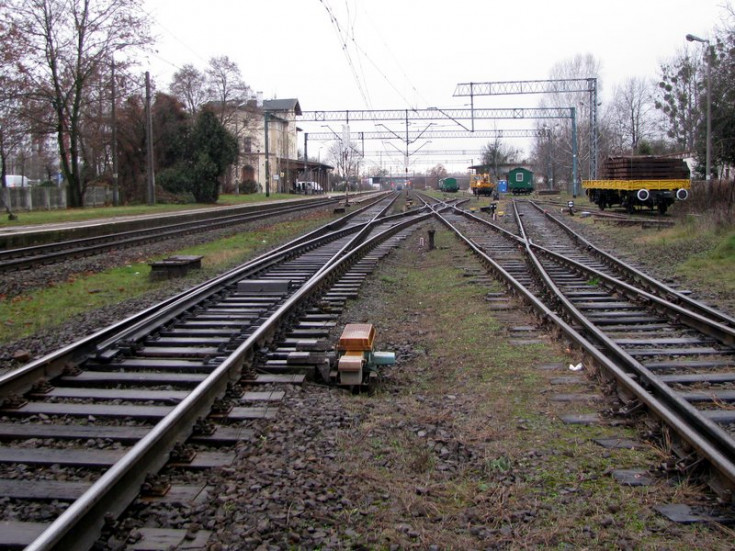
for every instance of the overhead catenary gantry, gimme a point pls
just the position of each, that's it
(383, 135)
(442, 152)
(555, 86)
(439, 134)
(435, 113)
(406, 116)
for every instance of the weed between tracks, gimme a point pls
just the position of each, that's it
(461, 447)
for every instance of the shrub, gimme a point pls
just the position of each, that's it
(248, 187)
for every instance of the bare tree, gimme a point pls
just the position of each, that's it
(678, 97)
(435, 174)
(723, 93)
(577, 67)
(346, 159)
(497, 155)
(189, 84)
(225, 87)
(11, 93)
(66, 45)
(632, 108)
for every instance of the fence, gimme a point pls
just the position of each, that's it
(51, 197)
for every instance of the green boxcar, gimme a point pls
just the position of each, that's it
(520, 181)
(449, 185)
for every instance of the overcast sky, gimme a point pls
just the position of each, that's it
(393, 54)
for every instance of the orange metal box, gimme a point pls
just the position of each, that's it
(357, 337)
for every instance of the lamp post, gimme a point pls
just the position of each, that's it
(708, 150)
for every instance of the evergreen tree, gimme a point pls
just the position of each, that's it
(214, 149)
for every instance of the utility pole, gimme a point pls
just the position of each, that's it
(237, 157)
(150, 178)
(306, 151)
(115, 189)
(267, 162)
(708, 137)
(575, 183)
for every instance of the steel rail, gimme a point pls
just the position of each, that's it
(454, 202)
(79, 525)
(132, 328)
(26, 257)
(721, 461)
(360, 234)
(716, 437)
(635, 274)
(206, 217)
(722, 333)
(690, 312)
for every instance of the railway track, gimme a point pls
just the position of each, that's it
(23, 258)
(86, 428)
(666, 351)
(643, 218)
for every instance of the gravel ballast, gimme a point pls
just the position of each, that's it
(290, 487)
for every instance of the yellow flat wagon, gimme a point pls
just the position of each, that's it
(646, 181)
(660, 194)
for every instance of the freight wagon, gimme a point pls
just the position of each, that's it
(641, 181)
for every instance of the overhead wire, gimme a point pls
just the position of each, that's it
(343, 43)
(397, 62)
(346, 35)
(351, 37)
(163, 27)
(346, 39)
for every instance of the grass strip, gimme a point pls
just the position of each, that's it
(54, 305)
(91, 213)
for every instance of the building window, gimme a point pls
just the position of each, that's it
(247, 145)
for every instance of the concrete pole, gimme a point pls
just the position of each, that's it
(115, 182)
(267, 161)
(575, 183)
(150, 177)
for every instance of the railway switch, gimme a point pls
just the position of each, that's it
(358, 361)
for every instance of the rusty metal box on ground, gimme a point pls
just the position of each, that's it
(357, 336)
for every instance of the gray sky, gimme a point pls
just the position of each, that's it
(393, 54)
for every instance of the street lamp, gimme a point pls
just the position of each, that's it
(708, 150)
